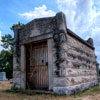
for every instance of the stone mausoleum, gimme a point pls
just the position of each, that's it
(47, 55)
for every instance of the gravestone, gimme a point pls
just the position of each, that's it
(3, 76)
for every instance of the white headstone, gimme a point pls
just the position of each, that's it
(3, 76)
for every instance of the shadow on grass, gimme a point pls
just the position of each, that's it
(92, 91)
(31, 92)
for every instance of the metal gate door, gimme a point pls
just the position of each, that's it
(37, 71)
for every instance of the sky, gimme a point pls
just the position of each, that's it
(82, 16)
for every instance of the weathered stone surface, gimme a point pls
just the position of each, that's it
(16, 83)
(60, 81)
(72, 61)
(90, 41)
(16, 74)
(81, 62)
(36, 28)
(74, 89)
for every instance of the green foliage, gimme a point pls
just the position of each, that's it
(7, 41)
(17, 25)
(6, 56)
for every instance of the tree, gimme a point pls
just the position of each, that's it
(17, 25)
(7, 41)
(6, 63)
(6, 55)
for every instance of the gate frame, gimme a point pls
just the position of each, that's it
(50, 65)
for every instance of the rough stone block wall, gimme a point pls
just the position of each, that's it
(74, 61)
(78, 70)
(81, 62)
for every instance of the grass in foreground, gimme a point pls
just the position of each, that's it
(90, 92)
(7, 94)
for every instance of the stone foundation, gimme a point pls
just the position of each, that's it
(74, 89)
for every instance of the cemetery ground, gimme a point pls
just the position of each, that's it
(7, 94)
